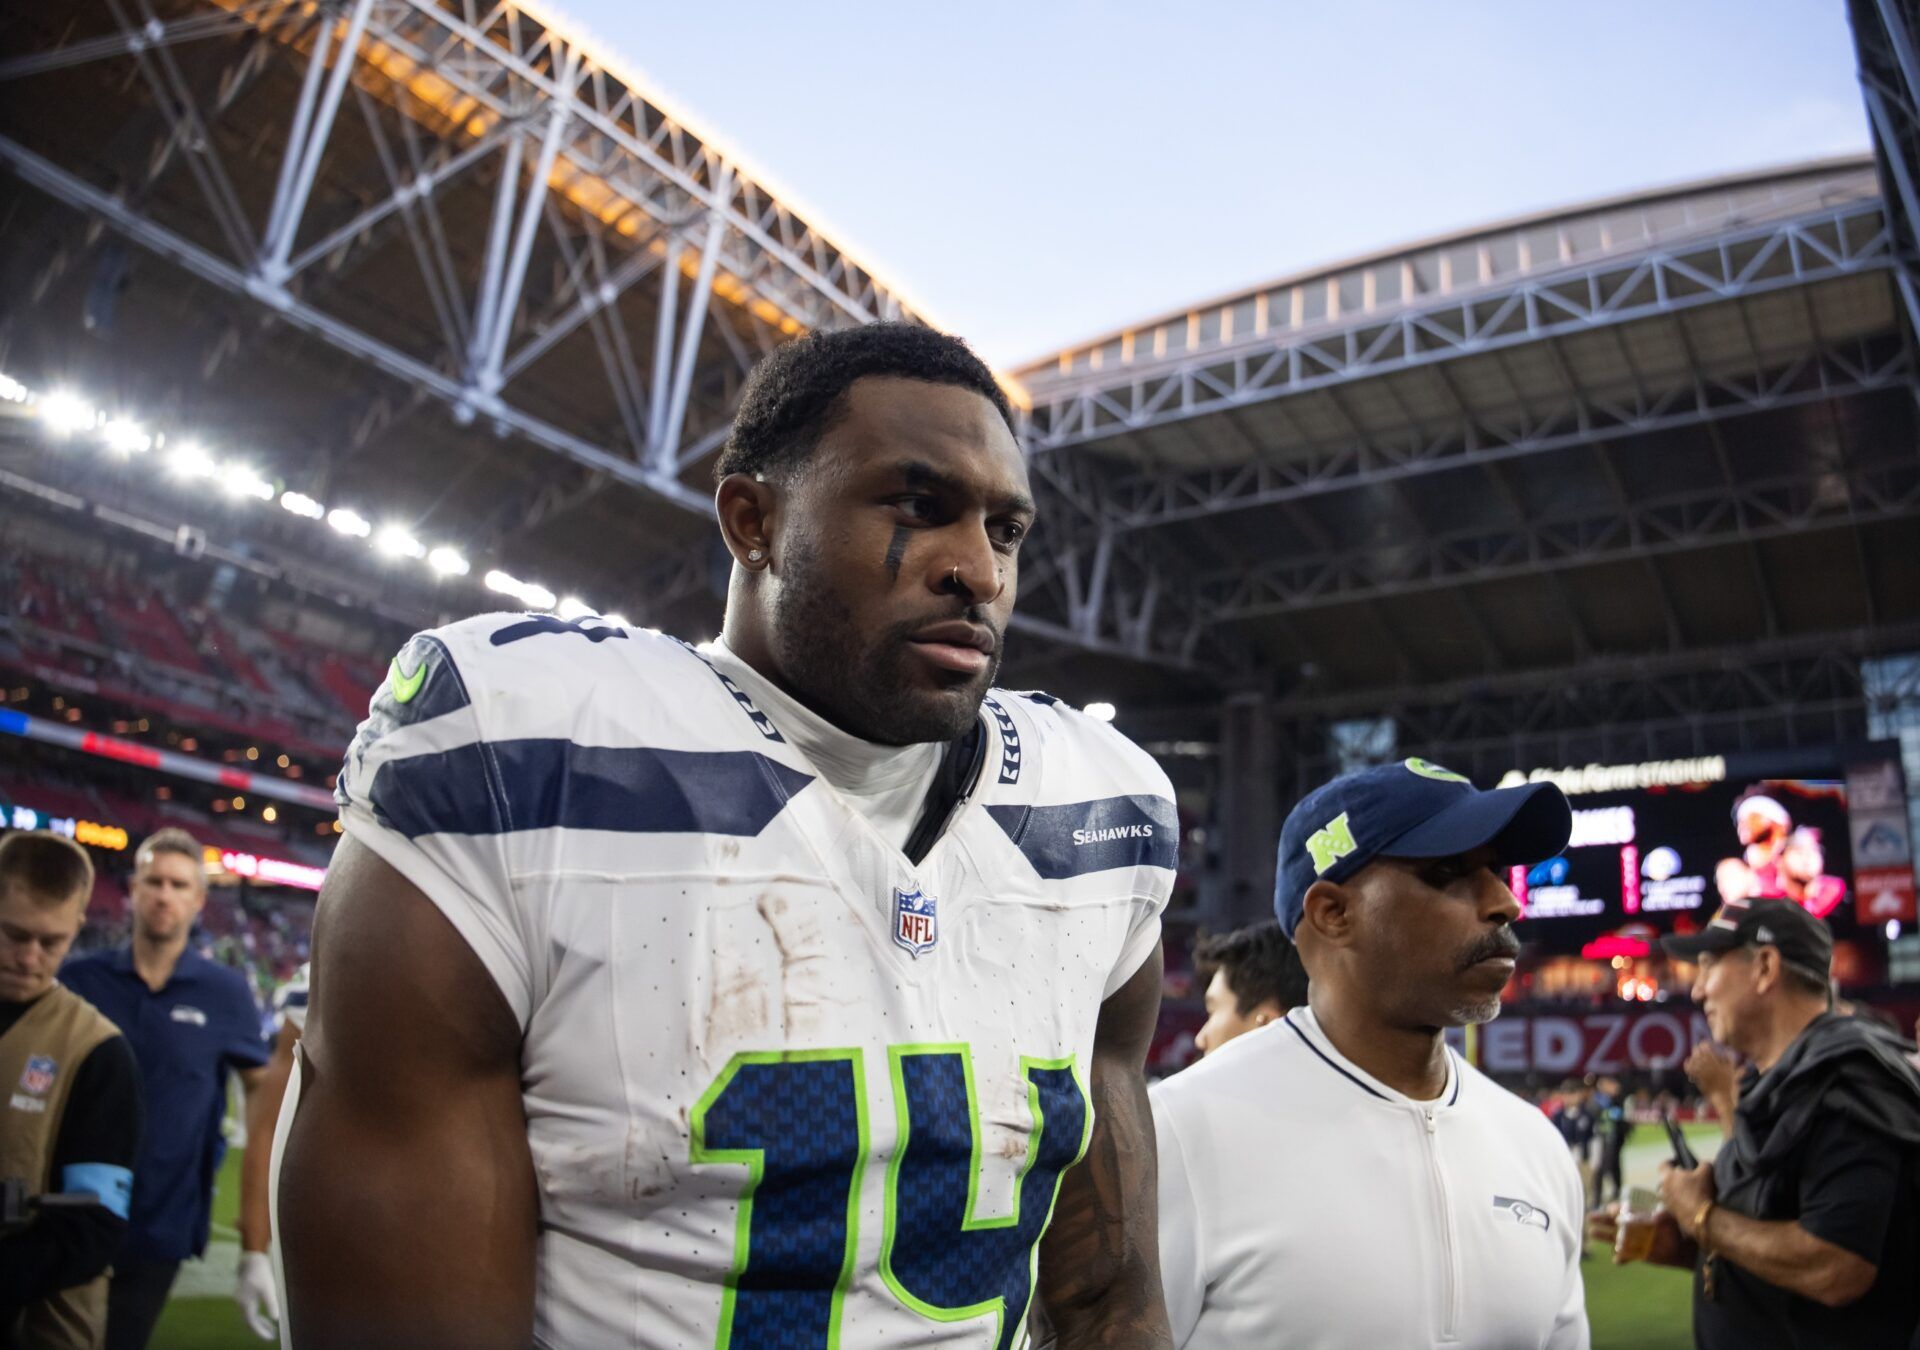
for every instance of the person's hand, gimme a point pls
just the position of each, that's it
(1603, 1225)
(254, 1292)
(1668, 1248)
(1713, 1070)
(1684, 1191)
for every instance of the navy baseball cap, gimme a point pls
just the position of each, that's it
(1412, 809)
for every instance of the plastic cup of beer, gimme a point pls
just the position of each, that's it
(1633, 1240)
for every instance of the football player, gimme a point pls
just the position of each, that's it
(770, 995)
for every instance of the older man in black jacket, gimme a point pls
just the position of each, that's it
(1805, 1229)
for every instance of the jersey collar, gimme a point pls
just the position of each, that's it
(1304, 1025)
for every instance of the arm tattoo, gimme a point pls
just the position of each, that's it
(1100, 1260)
(1099, 1263)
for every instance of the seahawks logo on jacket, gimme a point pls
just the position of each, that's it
(1525, 1214)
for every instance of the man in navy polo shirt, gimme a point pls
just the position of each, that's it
(188, 1020)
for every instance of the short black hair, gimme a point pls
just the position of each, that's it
(799, 391)
(1261, 964)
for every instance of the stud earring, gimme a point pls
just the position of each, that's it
(754, 555)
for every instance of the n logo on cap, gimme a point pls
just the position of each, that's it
(1330, 843)
(1430, 770)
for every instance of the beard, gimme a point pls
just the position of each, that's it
(1500, 942)
(1473, 1014)
(866, 689)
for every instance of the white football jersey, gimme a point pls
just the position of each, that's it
(785, 1088)
(290, 1001)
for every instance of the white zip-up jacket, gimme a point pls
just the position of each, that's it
(1304, 1204)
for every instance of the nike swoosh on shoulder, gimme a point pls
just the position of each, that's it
(405, 686)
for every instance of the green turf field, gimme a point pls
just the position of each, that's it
(202, 1314)
(1632, 1307)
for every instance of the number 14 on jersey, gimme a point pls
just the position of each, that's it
(797, 1119)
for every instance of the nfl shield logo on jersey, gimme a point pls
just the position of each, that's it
(916, 923)
(39, 1075)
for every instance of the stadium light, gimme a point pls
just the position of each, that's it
(65, 412)
(1101, 712)
(190, 461)
(394, 542)
(349, 523)
(125, 437)
(241, 481)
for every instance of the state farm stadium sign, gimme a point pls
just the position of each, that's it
(1575, 1044)
(1624, 777)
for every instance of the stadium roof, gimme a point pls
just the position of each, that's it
(473, 216)
(1676, 420)
(1674, 423)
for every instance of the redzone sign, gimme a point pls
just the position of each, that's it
(1593, 1043)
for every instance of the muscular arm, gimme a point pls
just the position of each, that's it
(1783, 1253)
(265, 1087)
(1100, 1260)
(407, 1198)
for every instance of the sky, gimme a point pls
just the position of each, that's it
(1034, 174)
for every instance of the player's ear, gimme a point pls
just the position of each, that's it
(745, 505)
(1328, 908)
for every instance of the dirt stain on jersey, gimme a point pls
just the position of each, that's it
(807, 985)
(737, 1011)
(649, 1158)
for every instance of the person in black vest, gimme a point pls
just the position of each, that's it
(1804, 1231)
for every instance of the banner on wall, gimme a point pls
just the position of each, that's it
(1575, 1044)
(1882, 841)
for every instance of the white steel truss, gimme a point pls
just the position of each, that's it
(483, 87)
(597, 191)
(1887, 39)
(1830, 243)
(1146, 498)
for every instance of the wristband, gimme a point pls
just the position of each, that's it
(1700, 1225)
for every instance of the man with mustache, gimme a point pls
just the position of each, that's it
(759, 996)
(1340, 1177)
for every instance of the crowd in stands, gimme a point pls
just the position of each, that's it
(133, 633)
(65, 786)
